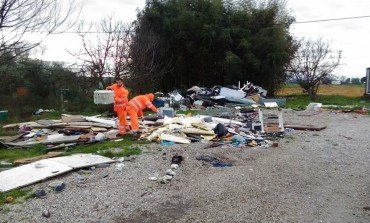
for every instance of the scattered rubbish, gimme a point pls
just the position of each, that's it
(305, 127)
(271, 104)
(81, 179)
(105, 175)
(170, 172)
(238, 138)
(174, 166)
(145, 193)
(176, 159)
(207, 158)
(153, 178)
(46, 213)
(55, 184)
(167, 143)
(166, 179)
(362, 112)
(314, 107)
(59, 188)
(214, 144)
(220, 164)
(9, 199)
(220, 130)
(213, 161)
(120, 166)
(103, 165)
(347, 137)
(173, 138)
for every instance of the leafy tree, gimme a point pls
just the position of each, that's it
(355, 81)
(210, 43)
(313, 62)
(347, 81)
(342, 79)
(363, 79)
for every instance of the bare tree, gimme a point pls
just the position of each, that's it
(105, 50)
(21, 18)
(313, 62)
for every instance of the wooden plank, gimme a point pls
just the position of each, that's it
(305, 127)
(33, 159)
(73, 118)
(13, 138)
(173, 138)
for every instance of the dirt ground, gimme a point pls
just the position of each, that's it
(312, 176)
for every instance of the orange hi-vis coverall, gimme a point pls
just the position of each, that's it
(135, 108)
(120, 103)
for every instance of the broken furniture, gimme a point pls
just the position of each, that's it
(271, 122)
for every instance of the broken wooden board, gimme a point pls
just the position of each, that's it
(16, 125)
(111, 123)
(89, 124)
(197, 131)
(72, 118)
(45, 122)
(305, 127)
(13, 138)
(172, 138)
(222, 120)
(201, 126)
(22, 144)
(47, 168)
(208, 137)
(36, 158)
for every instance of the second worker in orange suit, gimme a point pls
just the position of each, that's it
(135, 109)
(120, 103)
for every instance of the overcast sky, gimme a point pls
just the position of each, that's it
(352, 36)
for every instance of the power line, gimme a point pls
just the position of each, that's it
(131, 31)
(335, 19)
(309, 21)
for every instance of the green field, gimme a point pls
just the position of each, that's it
(341, 90)
(350, 97)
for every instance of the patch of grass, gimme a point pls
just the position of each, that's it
(19, 153)
(127, 151)
(5, 210)
(17, 194)
(104, 148)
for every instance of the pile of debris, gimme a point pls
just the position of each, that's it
(240, 125)
(229, 96)
(211, 124)
(68, 131)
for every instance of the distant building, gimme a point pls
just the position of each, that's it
(335, 82)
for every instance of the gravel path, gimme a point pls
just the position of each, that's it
(312, 176)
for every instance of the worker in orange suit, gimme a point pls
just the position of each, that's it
(120, 103)
(135, 109)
